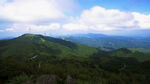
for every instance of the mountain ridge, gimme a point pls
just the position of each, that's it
(31, 44)
(106, 42)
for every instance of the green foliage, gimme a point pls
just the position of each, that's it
(20, 79)
(123, 52)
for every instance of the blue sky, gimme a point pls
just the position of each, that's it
(141, 6)
(61, 17)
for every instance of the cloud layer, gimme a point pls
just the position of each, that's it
(29, 16)
(34, 10)
(101, 19)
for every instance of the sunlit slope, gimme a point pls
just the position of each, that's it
(30, 45)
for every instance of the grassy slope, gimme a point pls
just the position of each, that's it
(29, 45)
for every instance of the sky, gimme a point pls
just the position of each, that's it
(65, 17)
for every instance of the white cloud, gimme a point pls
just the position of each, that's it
(24, 15)
(2, 1)
(31, 28)
(1, 30)
(9, 29)
(34, 10)
(101, 19)
(143, 20)
(96, 19)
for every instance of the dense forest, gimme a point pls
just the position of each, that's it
(37, 59)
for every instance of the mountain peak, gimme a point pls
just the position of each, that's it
(29, 45)
(28, 35)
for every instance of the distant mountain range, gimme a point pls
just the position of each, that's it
(106, 42)
(43, 47)
(3, 38)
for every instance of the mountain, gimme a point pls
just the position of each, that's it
(44, 48)
(30, 45)
(90, 35)
(37, 59)
(106, 42)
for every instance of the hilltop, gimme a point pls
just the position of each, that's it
(29, 45)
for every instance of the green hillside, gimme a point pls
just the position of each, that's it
(29, 45)
(37, 59)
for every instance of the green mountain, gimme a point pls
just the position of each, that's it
(29, 45)
(37, 59)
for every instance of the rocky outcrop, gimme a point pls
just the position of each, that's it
(70, 80)
(46, 79)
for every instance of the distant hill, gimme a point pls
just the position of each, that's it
(123, 52)
(30, 45)
(106, 42)
(4, 38)
(90, 35)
